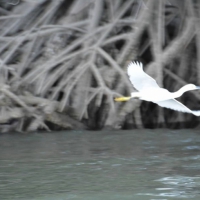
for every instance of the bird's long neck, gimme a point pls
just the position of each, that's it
(179, 92)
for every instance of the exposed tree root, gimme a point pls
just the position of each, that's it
(56, 55)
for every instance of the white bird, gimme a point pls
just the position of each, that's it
(149, 90)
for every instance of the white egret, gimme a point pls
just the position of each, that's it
(149, 90)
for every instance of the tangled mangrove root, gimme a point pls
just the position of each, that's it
(63, 62)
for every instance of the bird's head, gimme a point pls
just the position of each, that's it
(186, 88)
(191, 87)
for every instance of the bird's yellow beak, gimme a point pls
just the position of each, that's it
(122, 99)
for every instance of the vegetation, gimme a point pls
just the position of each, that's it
(63, 62)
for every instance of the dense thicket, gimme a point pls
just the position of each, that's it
(62, 62)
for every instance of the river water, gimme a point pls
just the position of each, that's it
(87, 165)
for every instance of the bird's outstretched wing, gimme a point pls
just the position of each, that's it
(139, 78)
(176, 105)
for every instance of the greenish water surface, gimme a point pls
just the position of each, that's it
(137, 164)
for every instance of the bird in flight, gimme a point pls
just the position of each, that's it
(149, 90)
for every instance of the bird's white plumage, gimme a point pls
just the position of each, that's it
(176, 105)
(150, 91)
(139, 78)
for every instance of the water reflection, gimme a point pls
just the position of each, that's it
(142, 164)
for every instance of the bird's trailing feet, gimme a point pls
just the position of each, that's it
(118, 99)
